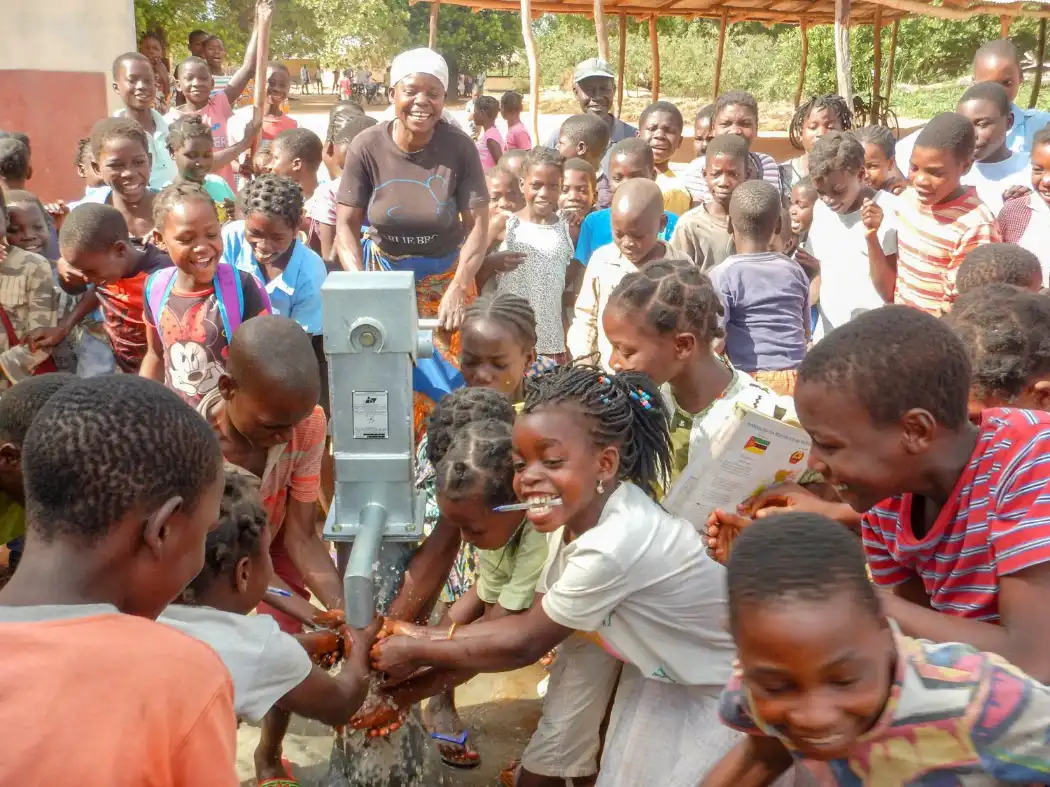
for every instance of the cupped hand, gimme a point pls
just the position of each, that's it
(722, 530)
(379, 716)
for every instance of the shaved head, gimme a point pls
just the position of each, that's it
(638, 199)
(998, 61)
(274, 354)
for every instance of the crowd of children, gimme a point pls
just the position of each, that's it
(164, 438)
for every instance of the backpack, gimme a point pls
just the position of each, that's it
(227, 284)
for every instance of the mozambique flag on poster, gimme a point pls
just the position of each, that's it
(756, 445)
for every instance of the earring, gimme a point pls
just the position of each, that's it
(601, 487)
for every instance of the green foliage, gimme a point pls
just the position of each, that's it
(472, 43)
(294, 31)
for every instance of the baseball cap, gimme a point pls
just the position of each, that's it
(592, 67)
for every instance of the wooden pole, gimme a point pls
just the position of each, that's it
(262, 58)
(621, 75)
(721, 51)
(876, 77)
(1040, 53)
(600, 31)
(842, 54)
(534, 68)
(435, 6)
(1004, 25)
(654, 49)
(802, 71)
(893, 58)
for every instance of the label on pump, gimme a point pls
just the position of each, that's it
(371, 421)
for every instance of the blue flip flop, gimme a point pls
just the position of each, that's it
(456, 740)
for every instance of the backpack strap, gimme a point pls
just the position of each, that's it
(230, 297)
(158, 288)
(228, 291)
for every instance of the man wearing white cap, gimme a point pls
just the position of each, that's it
(595, 85)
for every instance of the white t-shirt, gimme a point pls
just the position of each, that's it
(840, 243)
(264, 662)
(641, 582)
(1036, 237)
(991, 180)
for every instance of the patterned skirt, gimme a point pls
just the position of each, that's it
(438, 375)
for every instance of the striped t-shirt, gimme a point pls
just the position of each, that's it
(996, 524)
(932, 241)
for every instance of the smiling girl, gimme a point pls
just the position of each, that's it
(621, 572)
(122, 160)
(192, 311)
(538, 232)
(266, 245)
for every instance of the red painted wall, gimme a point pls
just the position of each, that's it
(56, 109)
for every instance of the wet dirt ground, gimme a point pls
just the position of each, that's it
(501, 711)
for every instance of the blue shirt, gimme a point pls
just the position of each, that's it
(1019, 138)
(296, 292)
(766, 299)
(596, 231)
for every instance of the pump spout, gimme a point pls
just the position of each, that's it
(359, 580)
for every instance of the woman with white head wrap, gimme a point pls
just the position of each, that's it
(419, 184)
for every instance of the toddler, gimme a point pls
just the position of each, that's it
(765, 294)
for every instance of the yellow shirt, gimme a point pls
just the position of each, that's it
(677, 199)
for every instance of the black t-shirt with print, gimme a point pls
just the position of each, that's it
(194, 339)
(414, 200)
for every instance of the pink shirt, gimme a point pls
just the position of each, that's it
(217, 113)
(487, 162)
(272, 126)
(518, 138)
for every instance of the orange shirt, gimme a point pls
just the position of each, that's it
(108, 699)
(932, 241)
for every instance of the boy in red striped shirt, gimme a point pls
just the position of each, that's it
(940, 221)
(957, 523)
(954, 515)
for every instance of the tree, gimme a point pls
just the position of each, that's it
(294, 32)
(360, 32)
(472, 43)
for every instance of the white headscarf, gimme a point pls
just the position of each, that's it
(419, 61)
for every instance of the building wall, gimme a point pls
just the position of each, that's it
(55, 79)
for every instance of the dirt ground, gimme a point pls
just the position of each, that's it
(501, 711)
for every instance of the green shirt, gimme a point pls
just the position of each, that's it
(12, 519)
(508, 576)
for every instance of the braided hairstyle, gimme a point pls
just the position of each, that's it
(458, 409)
(673, 296)
(836, 105)
(276, 197)
(479, 462)
(624, 410)
(238, 535)
(176, 194)
(1006, 333)
(185, 128)
(510, 310)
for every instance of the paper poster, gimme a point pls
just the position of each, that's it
(752, 452)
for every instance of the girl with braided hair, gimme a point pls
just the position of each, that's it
(663, 320)
(191, 144)
(266, 244)
(271, 670)
(589, 451)
(813, 119)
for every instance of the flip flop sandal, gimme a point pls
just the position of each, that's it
(457, 740)
(281, 781)
(508, 777)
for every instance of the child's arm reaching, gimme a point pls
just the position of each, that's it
(49, 338)
(230, 154)
(754, 762)
(333, 700)
(239, 81)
